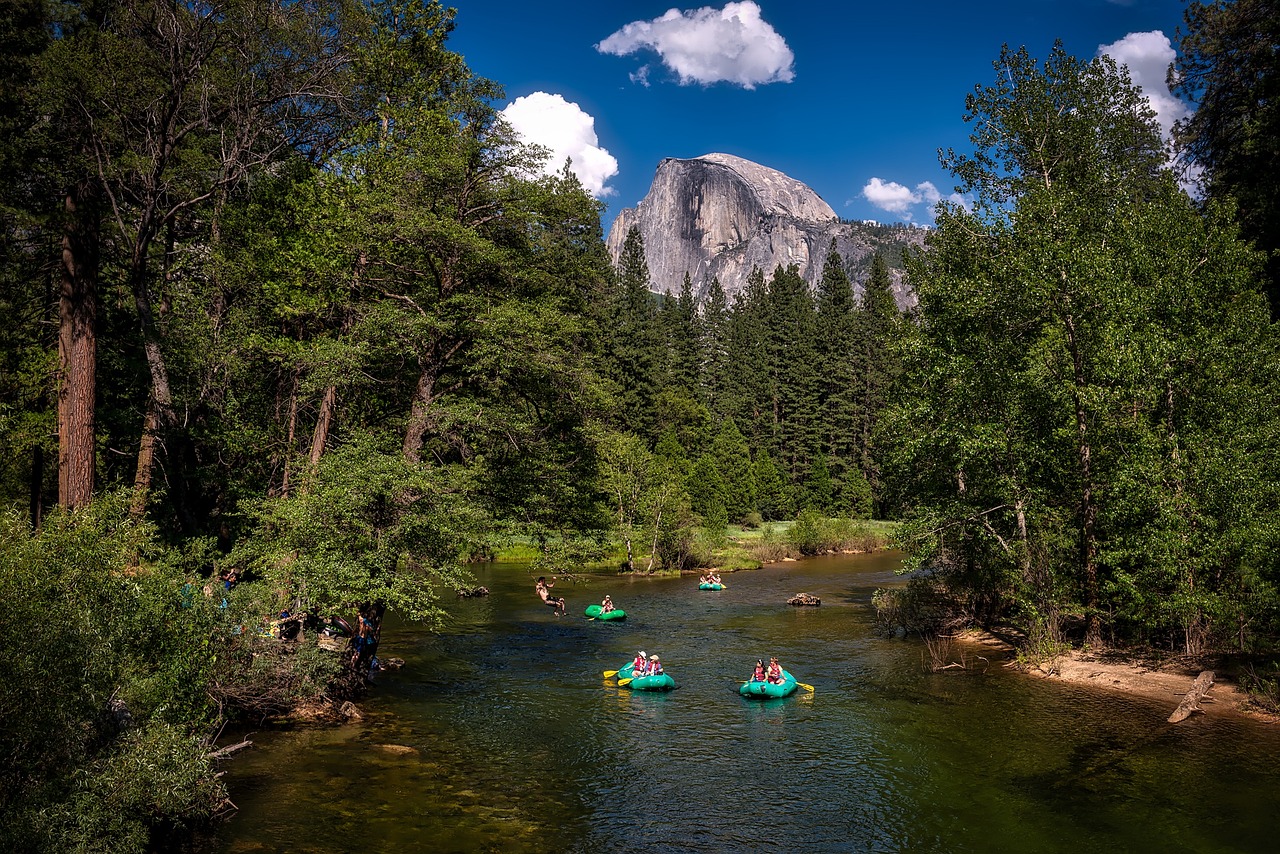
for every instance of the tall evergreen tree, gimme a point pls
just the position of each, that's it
(792, 368)
(713, 347)
(733, 459)
(632, 339)
(749, 393)
(838, 350)
(879, 327)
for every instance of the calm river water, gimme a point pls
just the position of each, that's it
(519, 744)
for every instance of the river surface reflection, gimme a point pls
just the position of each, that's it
(500, 734)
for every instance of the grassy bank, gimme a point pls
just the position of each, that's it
(736, 546)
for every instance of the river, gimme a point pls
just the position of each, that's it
(500, 734)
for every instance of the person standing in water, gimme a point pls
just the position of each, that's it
(543, 589)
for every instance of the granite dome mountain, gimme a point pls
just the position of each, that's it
(720, 216)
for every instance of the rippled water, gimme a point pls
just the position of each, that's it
(501, 734)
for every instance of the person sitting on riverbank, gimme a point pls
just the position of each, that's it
(640, 665)
(543, 589)
(606, 605)
(775, 671)
(655, 666)
(758, 675)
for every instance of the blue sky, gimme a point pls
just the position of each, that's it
(852, 98)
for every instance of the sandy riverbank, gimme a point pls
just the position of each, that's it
(1164, 678)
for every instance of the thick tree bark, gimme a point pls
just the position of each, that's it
(320, 437)
(77, 350)
(146, 459)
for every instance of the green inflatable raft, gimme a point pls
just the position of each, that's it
(707, 586)
(657, 682)
(765, 690)
(598, 612)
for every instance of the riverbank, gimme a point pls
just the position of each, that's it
(1156, 676)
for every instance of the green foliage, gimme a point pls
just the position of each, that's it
(1091, 349)
(1227, 66)
(107, 660)
(368, 526)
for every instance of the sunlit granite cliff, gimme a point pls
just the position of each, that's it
(720, 216)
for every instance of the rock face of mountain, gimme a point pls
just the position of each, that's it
(719, 216)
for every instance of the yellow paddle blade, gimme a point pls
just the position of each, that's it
(623, 681)
(609, 673)
(806, 687)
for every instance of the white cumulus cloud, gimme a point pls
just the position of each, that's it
(568, 132)
(1147, 56)
(900, 199)
(709, 45)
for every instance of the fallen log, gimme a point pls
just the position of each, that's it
(804, 599)
(1191, 700)
(224, 752)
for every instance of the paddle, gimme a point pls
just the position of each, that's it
(609, 673)
(806, 687)
(623, 681)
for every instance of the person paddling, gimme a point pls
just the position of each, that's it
(543, 589)
(758, 675)
(655, 666)
(640, 665)
(607, 605)
(775, 671)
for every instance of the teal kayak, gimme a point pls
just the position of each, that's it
(765, 690)
(705, 586)
(598, 612)
(657, 682)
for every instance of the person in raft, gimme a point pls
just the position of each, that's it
(713, 577)
(640, 665)
(758, 675)
(775, 671)
(543, 588)
(606, 605)
(655, 666)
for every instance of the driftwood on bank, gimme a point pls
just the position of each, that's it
(224, 752)
(1191, 700)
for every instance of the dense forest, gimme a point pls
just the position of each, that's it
(288, 307)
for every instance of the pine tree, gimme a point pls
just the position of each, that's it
(792, 368)
(733, 459)
(631, 338)
(879, 326)
(839, 400)
(713, 347)
(774, 498)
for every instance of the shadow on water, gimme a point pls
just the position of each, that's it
(501, 734)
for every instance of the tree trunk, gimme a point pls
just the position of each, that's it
(159, 415)
(77, 350)
(420, 416)
(324, 421)
(1191, 700)
(291, 434)
(37, 487)
(146, 458)
(1088, 503)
